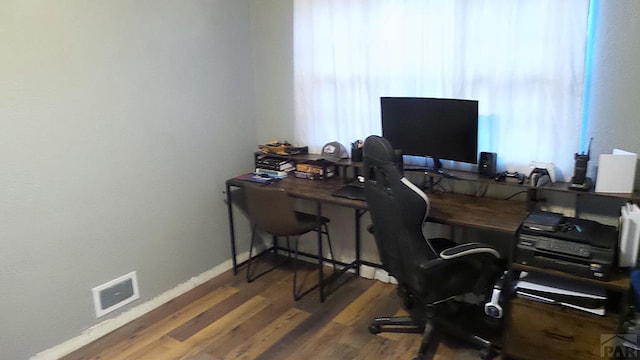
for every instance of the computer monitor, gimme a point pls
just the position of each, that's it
(444, 129)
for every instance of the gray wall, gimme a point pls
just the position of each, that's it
(119, 122)
(272, 23)
(614, 112)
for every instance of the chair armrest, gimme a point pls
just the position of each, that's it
(468, 249)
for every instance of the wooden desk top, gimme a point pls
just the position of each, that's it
(479, 212)
(317, 190)
(446, 208)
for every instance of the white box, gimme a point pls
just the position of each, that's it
(629, 235)
(616, 172)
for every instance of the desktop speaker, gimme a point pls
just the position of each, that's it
(487, 164)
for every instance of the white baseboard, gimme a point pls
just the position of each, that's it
(101, 329)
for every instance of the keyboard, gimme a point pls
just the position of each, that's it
(351, 191)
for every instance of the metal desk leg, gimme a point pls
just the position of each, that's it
(357, 225)
(320, 255)
(231, 231)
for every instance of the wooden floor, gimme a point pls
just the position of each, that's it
(228, 318)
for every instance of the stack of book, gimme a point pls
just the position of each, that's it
(274, 167)
(314, 171)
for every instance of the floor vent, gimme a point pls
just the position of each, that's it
(115, 293)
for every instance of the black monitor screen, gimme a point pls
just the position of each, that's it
(444, 129)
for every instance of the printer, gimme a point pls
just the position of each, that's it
(577, 246)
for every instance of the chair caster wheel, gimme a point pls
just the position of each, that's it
(374, 329)
(488, 354)
(408, 302)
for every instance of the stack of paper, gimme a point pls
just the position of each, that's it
(629, 235)
(558, 291)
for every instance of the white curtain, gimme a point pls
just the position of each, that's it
(523, 60)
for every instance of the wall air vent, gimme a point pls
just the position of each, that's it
(115, 293)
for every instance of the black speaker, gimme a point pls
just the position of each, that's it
(487, 164)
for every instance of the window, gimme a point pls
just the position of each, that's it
(522, 60)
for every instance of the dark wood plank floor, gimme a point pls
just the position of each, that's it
(228, 318)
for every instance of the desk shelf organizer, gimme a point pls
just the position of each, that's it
(306, 166)
(309, 166)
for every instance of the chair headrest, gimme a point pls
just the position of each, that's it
(378, 150)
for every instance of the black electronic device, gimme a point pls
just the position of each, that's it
(543, 221)
(444, 129)
(510, 175)
(351, 191)
(487, 164)
(580, 181)
(578, 246)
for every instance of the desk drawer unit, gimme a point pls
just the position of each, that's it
(545, 331)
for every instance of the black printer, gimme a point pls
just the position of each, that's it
(576, 246)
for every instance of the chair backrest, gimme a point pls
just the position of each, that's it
(271, 210)
(398, 210)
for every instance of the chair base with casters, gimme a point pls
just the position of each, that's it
(271, 211)
(433, 329)
(441, 318)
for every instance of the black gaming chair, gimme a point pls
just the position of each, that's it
(430, 272)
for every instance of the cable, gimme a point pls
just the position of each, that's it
(514, 195)
(481, 190)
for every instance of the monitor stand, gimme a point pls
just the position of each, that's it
(437, 168)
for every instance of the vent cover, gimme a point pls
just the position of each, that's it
(115, 293)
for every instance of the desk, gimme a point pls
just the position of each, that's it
(318, 191)
(446, 208)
